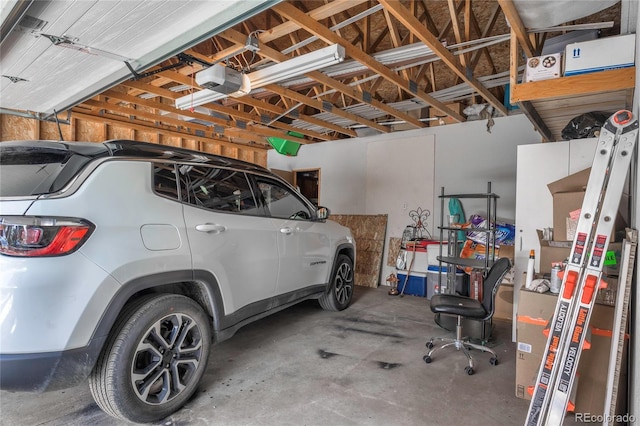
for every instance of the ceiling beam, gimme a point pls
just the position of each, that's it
(124, 122)
(290, 12)
(165, 123)
(411, 22)
(320, 105)
(216, 107)
(332, 83)
(230, 127)
(288, 27)
(453, 11)
(443, 33)
(491, 22)
(396, 41)
(510, 12)
(279, 111)
(322, 12)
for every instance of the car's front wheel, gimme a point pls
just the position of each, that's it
(153, 360)
(341, 286)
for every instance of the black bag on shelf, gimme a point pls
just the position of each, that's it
(585, 125)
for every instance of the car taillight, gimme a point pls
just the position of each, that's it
(35, 236)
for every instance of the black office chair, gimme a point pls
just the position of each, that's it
(466, 307)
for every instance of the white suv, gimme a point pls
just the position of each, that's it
(124, 261)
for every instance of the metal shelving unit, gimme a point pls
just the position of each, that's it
(452, 256)
(477, 330)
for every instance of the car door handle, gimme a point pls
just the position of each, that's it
(286, 230)
(211, 227)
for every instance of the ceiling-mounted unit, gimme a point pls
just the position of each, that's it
(294, 67)
(220, 78)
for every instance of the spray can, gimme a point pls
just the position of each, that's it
(555, 281)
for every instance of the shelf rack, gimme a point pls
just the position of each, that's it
(551, 104)
(452, 257)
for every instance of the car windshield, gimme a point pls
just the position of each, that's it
(26, 170)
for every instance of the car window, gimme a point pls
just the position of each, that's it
(281, 202)
(31, 171)
(165, 182)
(218, 189)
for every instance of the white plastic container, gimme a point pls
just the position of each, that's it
(437, 281)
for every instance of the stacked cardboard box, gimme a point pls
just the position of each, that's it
(504, 302)
(535, 311)
(568, 194)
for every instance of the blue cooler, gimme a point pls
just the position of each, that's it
(416, 284)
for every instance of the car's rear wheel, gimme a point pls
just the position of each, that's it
(153, 360)
(341, 286)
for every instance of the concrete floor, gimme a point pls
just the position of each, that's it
(305, 366)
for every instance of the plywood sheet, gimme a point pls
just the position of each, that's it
(394, 251)
(369, 233)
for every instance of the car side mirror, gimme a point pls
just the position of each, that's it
(323, 213)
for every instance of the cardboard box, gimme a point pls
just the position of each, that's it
(504, 302)
(568, 194)
(599, 55)
(543, 67)
(535, 310)
(552, 251)
(506, 251)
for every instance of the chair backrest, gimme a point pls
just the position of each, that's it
(491, 283)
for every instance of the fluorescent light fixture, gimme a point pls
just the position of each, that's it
(299, 65)
(294, 67)
(198, 98)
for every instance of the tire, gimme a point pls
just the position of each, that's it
(340, 291)
(153, 360)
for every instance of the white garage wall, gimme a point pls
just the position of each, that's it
(400, 179)
(343, 171)
(395, 173)
(467, 157)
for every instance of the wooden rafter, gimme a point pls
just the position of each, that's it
(453, 10)
(332, 83)
(412, 23)
(216, 107)
(431, 25)
(510, 12)
(149, 127)
(449, 25)
(491, 22)
(395, 39)
(254, 133)
(232, 112)
(293, 14)
(300, 98)
(319, 13)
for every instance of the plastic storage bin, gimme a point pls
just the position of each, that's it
(416, 284)
(434, 273)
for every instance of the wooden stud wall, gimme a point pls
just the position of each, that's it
(93, 130)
